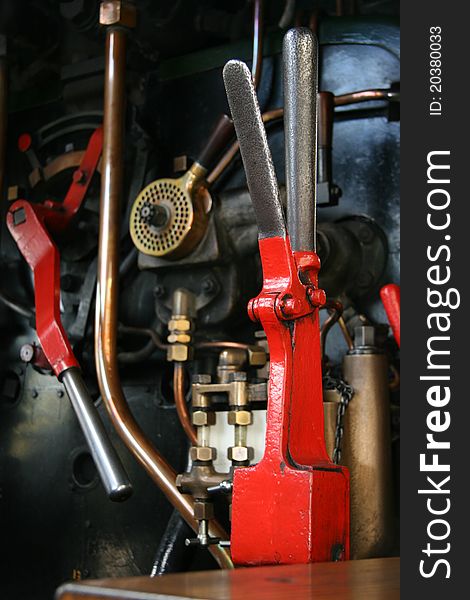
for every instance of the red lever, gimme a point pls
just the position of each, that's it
(28, 224)
(390, 295)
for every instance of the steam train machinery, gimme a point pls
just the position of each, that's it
(199, 297)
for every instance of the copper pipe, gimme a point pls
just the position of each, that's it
(216, 345)
(339, 8)
(346, 334)
(270, 115)
(366, 96)
(257, 64)
(180, 403)
(278, 113)
(335, 310)
(107, 295)
(3, 119)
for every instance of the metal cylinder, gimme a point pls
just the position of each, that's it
(107, 293)
(366, 451)
(107, 462)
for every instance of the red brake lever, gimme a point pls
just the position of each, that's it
(29, 224)
(390, 295)
(293, 506)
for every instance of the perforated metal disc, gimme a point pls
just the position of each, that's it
(169, 197)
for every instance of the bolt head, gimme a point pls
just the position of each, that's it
(316, 296)
(240, 453)
(240, 417)
(27, 353)
(202, 453)
(201, 417)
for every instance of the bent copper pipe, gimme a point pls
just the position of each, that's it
(278, 113)
(180, 403)
(107, 295)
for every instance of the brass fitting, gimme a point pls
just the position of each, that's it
(240, 453)
(203, 510)
(240, 417)
(202, 453)
(118, 12)
(180, 326)
(202, 417)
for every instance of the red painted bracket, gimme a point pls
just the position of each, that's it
(293, 506)
(30, 225)
(390, 295)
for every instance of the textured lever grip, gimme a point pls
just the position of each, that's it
(390, 295)
(257, 160)
(108, 464)
(300, 52)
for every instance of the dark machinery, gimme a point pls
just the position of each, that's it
(209, 273)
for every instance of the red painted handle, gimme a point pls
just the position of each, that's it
(390, 295)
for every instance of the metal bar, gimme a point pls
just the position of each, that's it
(300, 53)
(257, 160)
(110, 469)
(107, 294)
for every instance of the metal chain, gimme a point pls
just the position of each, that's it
(346, 392)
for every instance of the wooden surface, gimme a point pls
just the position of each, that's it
(374, 579)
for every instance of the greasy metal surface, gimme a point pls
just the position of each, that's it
(114, 478)
(367, 453)
(377, 579)
(300, 58)
(107, 293)
(254, 149)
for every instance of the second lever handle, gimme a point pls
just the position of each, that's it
(108, 464)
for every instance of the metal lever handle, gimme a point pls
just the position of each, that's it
(256, 156)
(110, 469)
(300, 53)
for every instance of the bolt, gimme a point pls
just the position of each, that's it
(290, 306)
(159, 291)
(60, 393)
(34, 393)
(27, 353)
(316, 296)
(208, 286)
(79, 176)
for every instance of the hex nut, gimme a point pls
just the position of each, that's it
(178, 352)
(203, 510)
(240, 453)
(179, 338)
(203, 453)
(118, 12)
(179, 325)
(240, 417)
(179, 481)
(201, 417)
(257, 356)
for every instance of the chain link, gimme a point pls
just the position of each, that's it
(346, 393)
